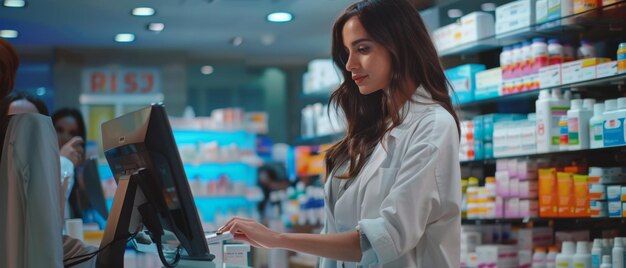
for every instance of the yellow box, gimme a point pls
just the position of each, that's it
(565, 185)
(548, 197)
(581, 196)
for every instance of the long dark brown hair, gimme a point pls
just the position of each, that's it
(396, 25)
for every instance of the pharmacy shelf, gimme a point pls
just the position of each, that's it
(319, 140)
(600, 82)
(616, 153)
(542, 220)
(605, 17)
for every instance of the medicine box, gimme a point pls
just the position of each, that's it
(580, 70)
(488, 84)
(514, 16)
(550, 76)
(462, 79)
(476, 26)
(606, 69)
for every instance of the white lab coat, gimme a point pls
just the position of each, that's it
(34, 185)
(407, 198)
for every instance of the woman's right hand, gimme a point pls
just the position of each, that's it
(73, 150)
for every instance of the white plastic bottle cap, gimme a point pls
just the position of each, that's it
(576, 104)
(610, 105)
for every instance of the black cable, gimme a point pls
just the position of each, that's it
(95, 253)
(164, 260)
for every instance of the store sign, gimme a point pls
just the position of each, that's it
(135, 81)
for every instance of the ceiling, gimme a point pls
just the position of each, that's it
(202, 28)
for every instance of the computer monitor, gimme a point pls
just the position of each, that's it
(144, 159)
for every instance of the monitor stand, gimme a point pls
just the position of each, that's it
(122, 222)
(129, 205)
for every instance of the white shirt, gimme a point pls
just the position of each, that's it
(407, 198)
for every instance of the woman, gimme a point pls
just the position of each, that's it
(393, 194)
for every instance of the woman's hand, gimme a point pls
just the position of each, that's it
(251, 232)
(73, 150)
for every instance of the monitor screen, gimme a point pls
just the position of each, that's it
(143, 140)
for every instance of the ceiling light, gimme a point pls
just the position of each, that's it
(207, 69)
(455, 13)
(279, 17)
(8, 34)
(143, 11)
(124, 37)
(236, 41)
(267, 39)
(156, 26)
(41, 91)
(14, 3)
(488, 7)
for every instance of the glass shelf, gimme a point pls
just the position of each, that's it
(541, 220)
(318, 140)
(605, 81)
(599, 152)
(609, 17)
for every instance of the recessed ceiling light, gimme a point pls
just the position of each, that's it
(207, 69)
(267, 39)
(8, 34)
(156, 26)
(41, 91)
(143, 11)
(488, 7)
(279, 17)
(236, 41)
(455, 13)
(14, 3)
(124, 37)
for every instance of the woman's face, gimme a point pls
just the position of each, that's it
(22, 106)
(368, 61)
(66, 128)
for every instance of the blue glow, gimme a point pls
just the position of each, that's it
(244, 140)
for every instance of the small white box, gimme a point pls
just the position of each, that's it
(511, 208)
(527, 238)
(525, 258)
(606, 69)
(615, 209)
(503, 184)
(514, 187)
(580, 70)
(497, 256)
(476, 26)
(599, 209)
(237, 254)
(444, 37)
(614, 193)
(488, 84)
(528, 189)
(514, 16)
(550, 76)
(528, 208)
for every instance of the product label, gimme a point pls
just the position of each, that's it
(562, 264)
(557, 112)
(613, 131)
(596, 261)
(596, 132)
(573, 131)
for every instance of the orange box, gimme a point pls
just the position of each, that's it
(548, 197)
(566, 202)
(581, 196)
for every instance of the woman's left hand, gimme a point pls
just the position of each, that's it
(251, 232)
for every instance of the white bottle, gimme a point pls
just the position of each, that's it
(527, 56)
(586, 50)
(595, 133)
(516, 61)
(607, 247)
(539, 258)
(613, 132)
(596, 253)
(551, 257)
(555, 51)
(550, 106)
(618, 253)
(564, 259)
(582, 258)
(578, 118)
(505, 62)
(540, 53)
(606, 262)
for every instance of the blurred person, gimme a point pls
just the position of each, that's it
(393, 194)
(269, 181)
(31, 204)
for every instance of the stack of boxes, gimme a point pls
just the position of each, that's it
(606, 192)
(516, 189)
(463, 81)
